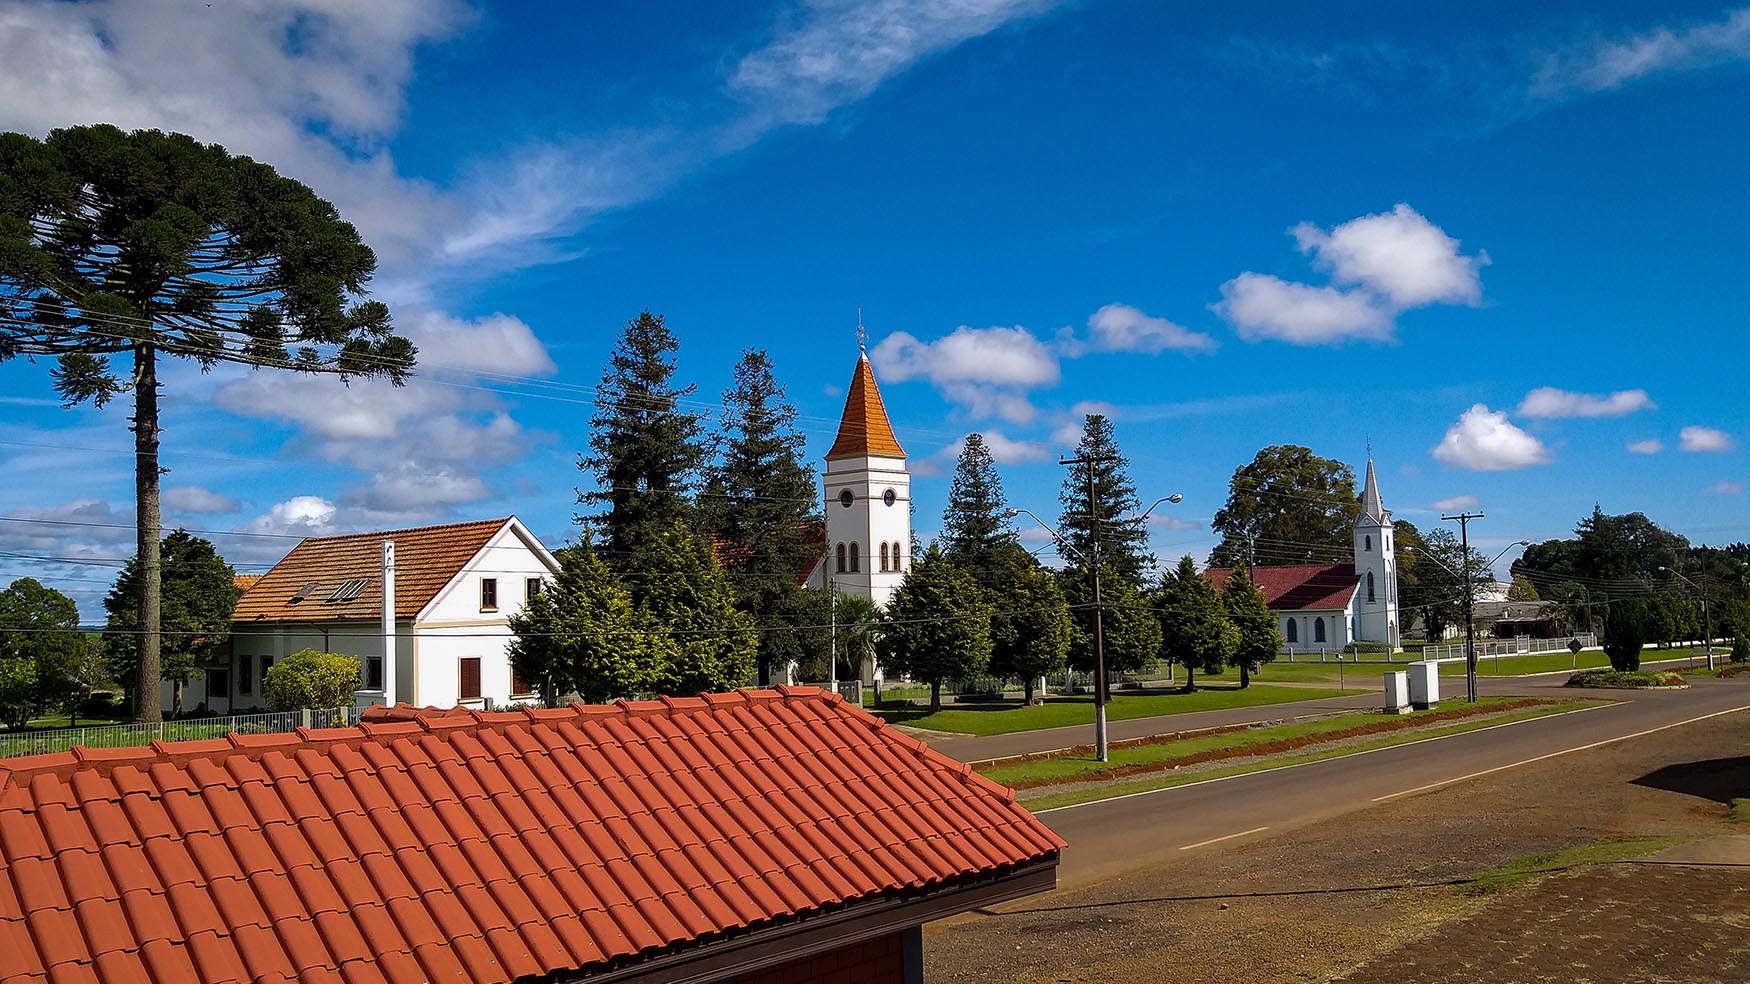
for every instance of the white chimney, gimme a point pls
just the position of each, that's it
(389, 622)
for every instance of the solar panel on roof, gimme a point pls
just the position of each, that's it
(349, 590)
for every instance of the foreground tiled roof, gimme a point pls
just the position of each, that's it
(864, 430)
(1319, 587)
(425, 559)
(466, 848)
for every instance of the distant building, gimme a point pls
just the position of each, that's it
(454, 589)
(1327, 606)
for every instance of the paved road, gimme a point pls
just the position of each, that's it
(1115, 835)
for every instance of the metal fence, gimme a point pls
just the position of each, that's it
(1516, 646)
(126, 735)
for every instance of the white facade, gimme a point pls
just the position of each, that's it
(868, 526)
(1375, 606)
(434, 651)
(1317, 631)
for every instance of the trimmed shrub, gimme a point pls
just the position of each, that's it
(1625, 634)
(1368, 647)
(1741, 648)
(1626, 679)
(310, 679)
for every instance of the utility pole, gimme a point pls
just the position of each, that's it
(1470, 630)
(1101, 694)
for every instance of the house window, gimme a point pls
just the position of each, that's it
(373, 673)
(489, 594)
(518, 686)
(219, 682)
(845, 498)
(1370, 587)
(854, 566)
(841, 551)
(884, 558)
(531, 589)
(1319, 629)
(1293, 631)
(246, 674)
(469, 687)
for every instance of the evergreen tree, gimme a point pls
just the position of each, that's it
(1132, 635)
(1625, 634)
(680, 589)
(937, 626)
(644, 447)
(1195, 629)
(1031, 628)
(199, 592)
(759, 503)
(582, 634)
(1259, 638)
(974, 527)
(44, 653)
(1123, 537)
(1287, 505)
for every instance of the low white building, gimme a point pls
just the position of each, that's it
(453, 589)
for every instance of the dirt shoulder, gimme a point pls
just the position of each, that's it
(1327, 900)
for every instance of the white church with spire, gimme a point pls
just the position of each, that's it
(1324, 607)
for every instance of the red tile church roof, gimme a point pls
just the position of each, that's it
(1318, 587)
(462, 846)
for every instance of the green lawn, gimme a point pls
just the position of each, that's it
(1007, 717)
(1166, 780)
(1304, 671)
(1532, 865)
(1067, 769)
(1552, 662)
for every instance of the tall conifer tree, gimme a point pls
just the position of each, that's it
(974, 529)
(1123, 538)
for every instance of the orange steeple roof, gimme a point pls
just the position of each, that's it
(864, 430)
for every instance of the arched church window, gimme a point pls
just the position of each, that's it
(1319, 629)
(883, 558)
(896, 565)
(854, 566)
(1370, 587)
(841, 552)
(1367, 543)
(1293, 631)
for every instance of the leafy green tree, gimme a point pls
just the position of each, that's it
(1123, 537)
(857, 624)
(974, 527)
(146, 244)
(583, 634)
(1625, 634)
(1131, 633)
(1287, 506)
(759, 503)
(1195, 629)
(804, 623)
(1741, 646)
(42, 646)
(937, 626)
(310, 679)
(1522, 590)
(1439, 591)
(681, 590)
(1259, 638)
(199, 592)
(645, 450)
(1030, 628)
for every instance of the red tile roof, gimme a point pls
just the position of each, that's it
(1319, 587)
(864, 430)
(461, 846)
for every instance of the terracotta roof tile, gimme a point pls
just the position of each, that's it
(480, 848)
(864, 430)
(426, 558)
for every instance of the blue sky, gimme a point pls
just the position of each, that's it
(1500, 242)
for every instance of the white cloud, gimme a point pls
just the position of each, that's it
(1458, 502)
(301, 515)
(1485, 440)
(1548, 401)
(1695, 438)
(985, 370)
(1650, 446)
(1398, 255)
(1068, 434)
(1725, 488)
(1086, 408)
(1122, 328)
(1605, 65)
(1007, 451)
(498, 344)
(194, 499)
(1262, 306)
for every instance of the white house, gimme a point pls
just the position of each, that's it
(452, 590)
(1328, 606)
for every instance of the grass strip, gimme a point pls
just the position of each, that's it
(1091, 794)
(1171, 753)
(1008, 717)
(1531, 865)
(1740, 810)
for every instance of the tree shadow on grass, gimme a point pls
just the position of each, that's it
(1721, 780)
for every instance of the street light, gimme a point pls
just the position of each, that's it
(1101, 694)
(1707, 626)
(1470, 604)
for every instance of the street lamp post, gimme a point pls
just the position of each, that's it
(1102, 693)
(1707, 625)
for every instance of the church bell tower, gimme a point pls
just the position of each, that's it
(868, 495)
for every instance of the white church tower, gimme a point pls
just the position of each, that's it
(1376, 568)
(868, 496)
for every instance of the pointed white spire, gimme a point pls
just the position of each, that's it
(1372, 509)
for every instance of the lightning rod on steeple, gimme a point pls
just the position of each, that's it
(862, 333)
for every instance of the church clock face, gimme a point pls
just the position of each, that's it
(888, 497)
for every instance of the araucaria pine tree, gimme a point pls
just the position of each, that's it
(1123, 537)
(974, 528)
(644, 446)
(759, 502)
(1195, 630)
(937, 625)
(1259, 639)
